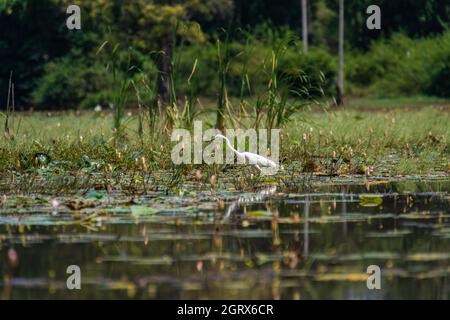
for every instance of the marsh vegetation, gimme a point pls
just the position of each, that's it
(87, 178)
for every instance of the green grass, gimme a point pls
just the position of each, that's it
(394, 142)
(75, 151)
(398, 102)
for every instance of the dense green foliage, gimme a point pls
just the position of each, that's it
(32, 33)
(55, 67)
(403, 66)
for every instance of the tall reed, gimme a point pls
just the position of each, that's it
(10, 106)
(122, 82)
(223, 63)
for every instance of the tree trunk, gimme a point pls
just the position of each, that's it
(305, 25)
(340, 82)
(164, 63)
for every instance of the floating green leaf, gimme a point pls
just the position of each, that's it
(370, 200)
(143, 210)
(259, 213)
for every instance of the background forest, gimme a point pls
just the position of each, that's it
(56, 68)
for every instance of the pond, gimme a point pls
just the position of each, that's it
(232, 245)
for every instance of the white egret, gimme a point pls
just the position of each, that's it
(252, 158)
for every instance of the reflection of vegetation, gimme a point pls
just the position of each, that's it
(164, 246)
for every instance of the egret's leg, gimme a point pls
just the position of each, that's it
(258, 168)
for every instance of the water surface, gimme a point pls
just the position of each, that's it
(262, 245)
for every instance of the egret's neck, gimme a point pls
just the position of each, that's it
(231, 146)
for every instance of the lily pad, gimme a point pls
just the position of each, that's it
(143, 210)
(259, 213)
(370, 200)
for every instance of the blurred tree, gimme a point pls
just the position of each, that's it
(340, 82)
(416, 18)
(153, 26)
(323, 26)
(279, 13)
(305, 25)
(32, 32)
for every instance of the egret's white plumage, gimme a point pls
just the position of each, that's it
(252, 158)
